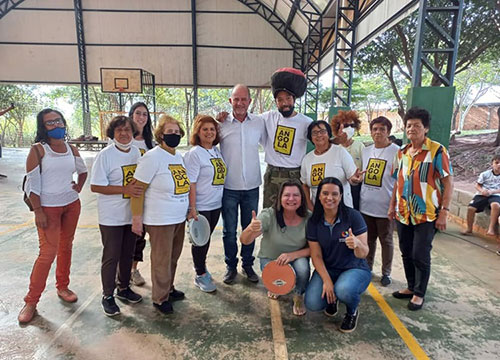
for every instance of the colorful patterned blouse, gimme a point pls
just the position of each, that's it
(418, 182)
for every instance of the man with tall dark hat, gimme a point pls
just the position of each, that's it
(286, 132)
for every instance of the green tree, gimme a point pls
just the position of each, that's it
(391, 54)
(369, 93)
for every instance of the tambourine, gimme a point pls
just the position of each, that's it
(199, 231)
(278, 279)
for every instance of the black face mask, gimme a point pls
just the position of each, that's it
(172, 140)
(287, 113)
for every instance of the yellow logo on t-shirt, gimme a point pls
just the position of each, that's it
(128, 174)
(143, 151)
(317, 173)
(375, 172)
(283, 139)
(181, 181)
(220, 171)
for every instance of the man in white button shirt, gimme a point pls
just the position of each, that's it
(240, 136)
(286, 131)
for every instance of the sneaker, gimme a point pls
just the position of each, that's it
(109, 306)
(251, 275)
(165, 307)
(176, 295)
(331, 309)
(136, 278)
(386, 280)
(498, 252)
(128, 295)
(27, 313)
(67, 295)
(230, 276)
(205, 283)
(349, 323)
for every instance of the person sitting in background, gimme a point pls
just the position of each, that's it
(283, 227)
(112, 175)
(488, 195)
(379, 162)
(344, 125)
(337, 238)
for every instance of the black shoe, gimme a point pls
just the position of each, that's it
(176, 295)
(349, 323)
(414, 307)
(386, 280)
(128, 295)
(230, 276)
(251, 275)
(331, 309)
(399, 295)
(165, 307)
(109, 306)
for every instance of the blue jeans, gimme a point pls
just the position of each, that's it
(248, 200)
(302, 272)
(348, 287)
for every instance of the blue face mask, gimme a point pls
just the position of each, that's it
(57, 133)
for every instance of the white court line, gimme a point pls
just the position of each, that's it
(66, 325)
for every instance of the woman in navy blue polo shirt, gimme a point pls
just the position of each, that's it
(337, 239)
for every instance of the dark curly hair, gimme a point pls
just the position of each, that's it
(418, 113)
(41, 130)
(118, 121)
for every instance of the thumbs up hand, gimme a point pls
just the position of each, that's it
(351, 241)
(255, 224)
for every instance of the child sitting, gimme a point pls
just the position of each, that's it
(488, 187)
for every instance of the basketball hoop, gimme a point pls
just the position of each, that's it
(120, 89)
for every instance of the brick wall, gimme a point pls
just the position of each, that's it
(481, 117)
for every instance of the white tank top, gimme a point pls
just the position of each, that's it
(57, 177)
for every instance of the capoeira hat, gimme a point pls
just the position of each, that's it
(290, 80)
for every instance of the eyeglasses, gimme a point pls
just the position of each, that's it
(54, 122)
(319, 132)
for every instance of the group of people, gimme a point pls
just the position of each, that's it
(328, 206)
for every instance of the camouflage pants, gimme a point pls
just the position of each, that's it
(273, 178)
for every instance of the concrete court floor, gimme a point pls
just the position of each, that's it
(459, 319)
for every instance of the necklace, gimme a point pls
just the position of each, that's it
(379, 155)
(212, 155)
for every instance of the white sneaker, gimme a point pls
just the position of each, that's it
(137, 278)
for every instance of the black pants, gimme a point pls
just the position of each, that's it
(356, 194)
(200, 252)
(118, 251)
(140, 244)
(415, 243)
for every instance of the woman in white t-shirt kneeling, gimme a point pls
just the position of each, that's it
(163, 209)
(207, 173)
(112, 179)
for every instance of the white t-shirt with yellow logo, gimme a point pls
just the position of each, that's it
(116, 168)
(286, 139)
(207, 169)
(336, 162)
(166, 199)
(378, 182)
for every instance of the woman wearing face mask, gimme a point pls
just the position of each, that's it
(112, 174)
(207, 173)
(162, 209)
(143, 140)
(325, 160)
(53, 194)
(344, 125)
(283, 230)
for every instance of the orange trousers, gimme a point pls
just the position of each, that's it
(55, 240)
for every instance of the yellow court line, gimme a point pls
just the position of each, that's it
(280, 351)
(407, 337)
(16, 227)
